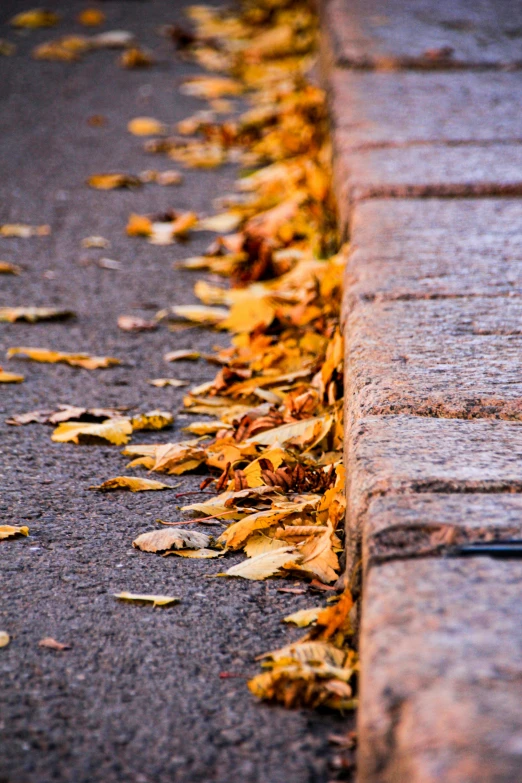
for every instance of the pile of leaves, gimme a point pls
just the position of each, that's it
(273, 445)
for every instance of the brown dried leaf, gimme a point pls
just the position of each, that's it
(52, 644)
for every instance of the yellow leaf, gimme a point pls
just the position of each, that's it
(304, 617)
(209, 87)
(258, 544)
(116, 431)
(146, 126)
(134, 484)
(84, 360)
(211, 316)
(23, 230)
(265, 565)
(239, 532)
(318, 558)
(91, 17)
(222, 224)
(10, 377)
(4, 639)
(173, 538)
(153, 420)
(183, 355)
(134, 57)
(113, 181)
(11, 531)
(160, 383)
(9, 269)
(139, 226)
(306, 432)
(155, 600)
(37, 17)
(33, 314)
(95, 241)
(66, 49)
(196, 554)
(309, 652)
(179, 457)
(247, 315)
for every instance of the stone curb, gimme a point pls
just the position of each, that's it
(427, 170)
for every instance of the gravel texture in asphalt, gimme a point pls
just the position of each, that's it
(139, 697)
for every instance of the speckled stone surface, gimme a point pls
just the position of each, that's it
(399, 108)
(434, 248)
(455, 358)
(422, 34)
(442, 678)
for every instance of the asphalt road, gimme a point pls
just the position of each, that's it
(139, 697)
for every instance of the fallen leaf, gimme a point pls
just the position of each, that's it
(109, 263)
(153, 420)
(33, 314)
(131, 483)
(146, 126)
(113, 39)
(166, 540)
(23, 230)
(69, 48)
(209, 316)
(9, 269)
(132, 323)
(91, 17)
(222, 224)
(36, 17)
(304, 617)
(265, 565)
(156, 600)
(84, 360)
(182, 355)
(168, 178)
(134, 57)
(113, 181)
(12, 531)
(52, 644)
(66, 413)
(116, 431)
(209, 87)
(196, 554)
(160, 383)
(4, 639)
(10, 377)
(95, 241)
(139, 226)
(7, 49)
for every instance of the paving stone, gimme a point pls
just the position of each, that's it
(432, 248)
(404, 455)
(399, 527)
(441, 683)
(426, 170)
(456, 358)
(371, 109)
(389, 34)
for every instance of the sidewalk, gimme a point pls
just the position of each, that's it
(424, 100)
